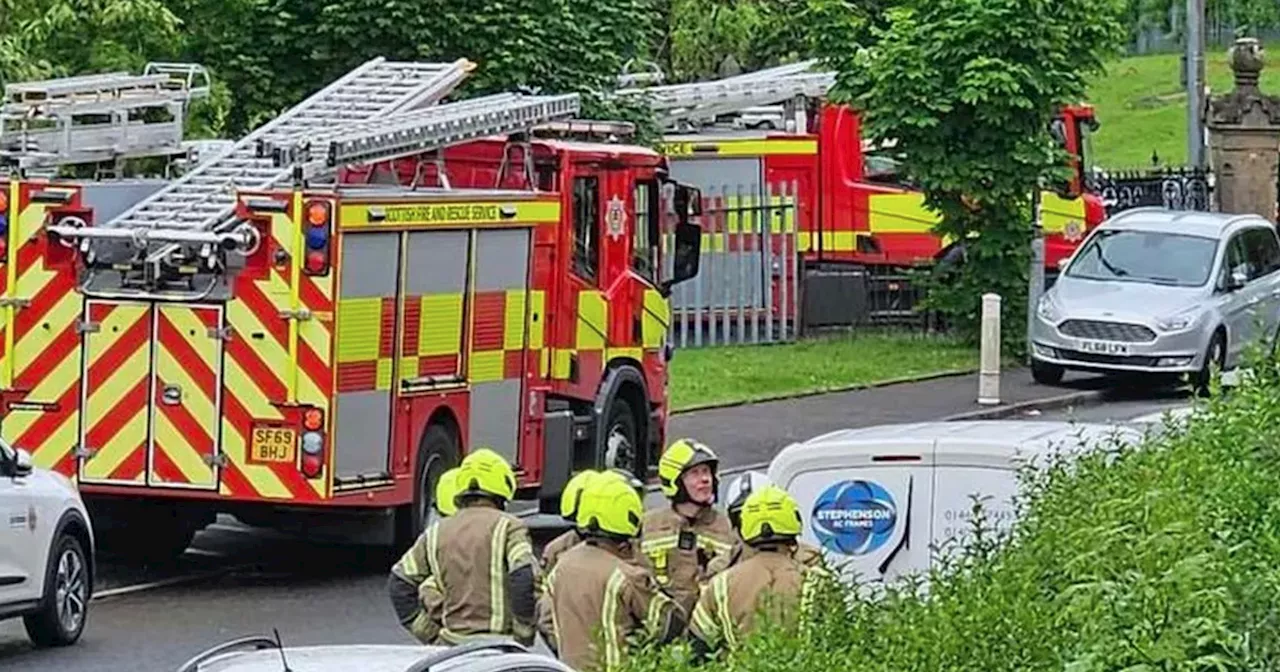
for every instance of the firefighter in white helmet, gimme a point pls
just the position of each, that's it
(682, 538)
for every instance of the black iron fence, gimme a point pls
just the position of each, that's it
(1175, 188)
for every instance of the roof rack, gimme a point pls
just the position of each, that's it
(95, 118)
(686, 106)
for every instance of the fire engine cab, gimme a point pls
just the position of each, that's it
(308, 329)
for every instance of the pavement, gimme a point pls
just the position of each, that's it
(237, 580)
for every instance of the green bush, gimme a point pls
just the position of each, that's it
(1162, 556)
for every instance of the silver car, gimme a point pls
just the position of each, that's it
(1160, 291)
(264, 654)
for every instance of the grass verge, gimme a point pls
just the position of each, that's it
(1159, 556)
(702, 376)
(1143, 108)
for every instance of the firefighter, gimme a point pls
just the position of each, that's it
(682, 539)
(481, 557)
(597, 598)
(415, 594)
(772, 580)
(737, 494)
(569, 511)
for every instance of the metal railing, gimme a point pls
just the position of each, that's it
(746, 290)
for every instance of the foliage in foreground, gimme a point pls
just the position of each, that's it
(1164, 556)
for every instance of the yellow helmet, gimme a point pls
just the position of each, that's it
(610, 506)
(484, 472)
(679, 458)
(446, 491)
(770, 514)
(635, 483)
(572, 494)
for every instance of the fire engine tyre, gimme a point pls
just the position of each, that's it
(622, 438)
(438, 453)
(64, 609)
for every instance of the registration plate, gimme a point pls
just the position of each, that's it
(1104, 347)
(273, 445)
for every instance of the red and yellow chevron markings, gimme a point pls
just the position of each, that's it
(40, 354)
(117, 382)
(261, 373)
(185, 420)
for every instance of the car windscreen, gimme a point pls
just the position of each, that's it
(1146, 256)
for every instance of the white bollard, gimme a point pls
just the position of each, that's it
(989, 365)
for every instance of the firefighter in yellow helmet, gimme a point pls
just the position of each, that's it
(736, 493)
(681, 540)
(598, 599)
(569, 500)
(415, 594)
(481, 557)
(772, 580)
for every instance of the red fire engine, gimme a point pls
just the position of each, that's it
(287, 337)
(853, 208)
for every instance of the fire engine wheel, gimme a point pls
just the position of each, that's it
(438, 453)
(621, 438)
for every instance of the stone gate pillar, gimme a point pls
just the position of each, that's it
(1244, 137)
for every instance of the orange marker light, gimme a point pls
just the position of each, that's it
(317, 213)
(4, 202)
(312, 418)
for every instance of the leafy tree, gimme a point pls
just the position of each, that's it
(968, 87)
(44, 38)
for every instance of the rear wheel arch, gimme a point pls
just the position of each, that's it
(624, 380)
(439, 448)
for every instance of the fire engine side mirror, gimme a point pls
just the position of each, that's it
(686, 255)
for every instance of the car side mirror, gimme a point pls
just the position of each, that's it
(22, 465)
(1237, 280)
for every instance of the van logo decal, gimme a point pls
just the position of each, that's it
(854, 517)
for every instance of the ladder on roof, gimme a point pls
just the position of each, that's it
(90, 118)
(425, 130)
(677, 105)
(205, 198)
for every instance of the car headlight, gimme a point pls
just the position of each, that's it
(1176, 322)
(1047, 309)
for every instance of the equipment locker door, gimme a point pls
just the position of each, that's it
(186, 396)
(115, 387)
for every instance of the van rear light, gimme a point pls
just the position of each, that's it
(896, 458)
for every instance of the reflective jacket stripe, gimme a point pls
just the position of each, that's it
(498, 577)
(609, 619)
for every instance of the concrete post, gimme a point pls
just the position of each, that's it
(1244, 137)
(989, 366)
(1035, 281)
(1195, 83)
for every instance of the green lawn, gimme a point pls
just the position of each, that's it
(745, 373)
(1142, 107)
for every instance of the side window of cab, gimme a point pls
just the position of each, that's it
(586, 227)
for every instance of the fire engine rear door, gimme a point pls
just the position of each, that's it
(116, 385)
(186, 396)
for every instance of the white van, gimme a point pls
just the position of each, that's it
(879, 499)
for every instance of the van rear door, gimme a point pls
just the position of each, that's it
(867, 506)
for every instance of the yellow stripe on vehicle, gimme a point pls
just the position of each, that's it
(428, 215)
(693, 149)
(900, 213)
(593, 320)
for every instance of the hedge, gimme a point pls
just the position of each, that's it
(1158, 556)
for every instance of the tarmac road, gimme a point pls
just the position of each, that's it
(315, 593)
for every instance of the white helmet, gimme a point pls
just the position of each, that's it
(738, 490)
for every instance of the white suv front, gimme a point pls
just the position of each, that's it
(46, 550)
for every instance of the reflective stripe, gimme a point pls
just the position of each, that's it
(497, 578)
(712, 544)
(667, 543)
(720, 590)
(653, 620)
(609, 620)
(706, 624)
(519, 554)
(551, 592)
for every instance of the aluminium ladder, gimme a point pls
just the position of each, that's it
(676, 104)
(87, 118)
(205, 198)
